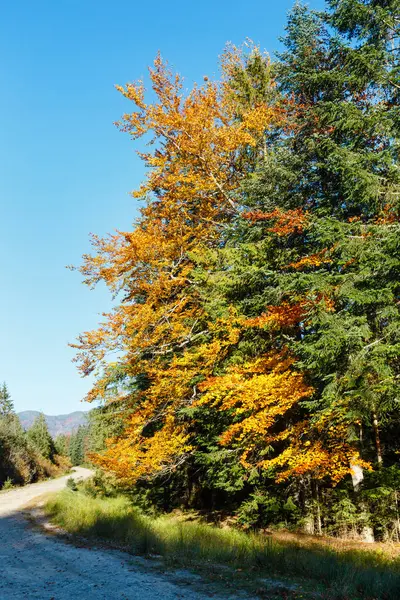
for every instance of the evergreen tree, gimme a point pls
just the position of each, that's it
(104, 423)
(77, 446)
(320, 237)
(61, 444)
(6, 404)
(40, 437)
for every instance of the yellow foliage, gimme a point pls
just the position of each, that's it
(203, 143)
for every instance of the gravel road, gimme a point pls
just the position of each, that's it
(35, 565)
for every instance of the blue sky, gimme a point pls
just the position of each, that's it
(66, 171)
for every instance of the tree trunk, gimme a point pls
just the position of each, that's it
(357, 476)
(316, 508)
(397, 527)
(306, 494)
(375, 425)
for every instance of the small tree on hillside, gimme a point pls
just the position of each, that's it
(6, 404)
(40, 437)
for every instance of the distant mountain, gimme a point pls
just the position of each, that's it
(56, 424)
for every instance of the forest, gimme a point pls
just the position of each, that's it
(32, 454)
(250, 366)
(27, 456)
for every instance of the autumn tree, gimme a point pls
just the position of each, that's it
(204, 144)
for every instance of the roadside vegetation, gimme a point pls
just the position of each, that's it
(250, 557)
(25, 456)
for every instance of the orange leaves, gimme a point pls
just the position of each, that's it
(201, 146)
(313, 260)
(154, 441)
(311, 458)
(290, 314)
(283, 222)
(133, 456)
(277, 317)
(389, 214)
(321, 449)
(201, 138)
(257, 120)
(263, 398)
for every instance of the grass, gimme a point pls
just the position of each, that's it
(349, 574)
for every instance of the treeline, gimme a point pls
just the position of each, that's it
(25, 456)
(251, 364)
(86, 440)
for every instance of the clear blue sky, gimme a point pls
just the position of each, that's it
(66, 171)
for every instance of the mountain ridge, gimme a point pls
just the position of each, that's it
(57, 424)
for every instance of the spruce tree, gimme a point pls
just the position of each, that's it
(40, 437)
(77, 444)
(322, 225)
(61, 444)
(6, 404)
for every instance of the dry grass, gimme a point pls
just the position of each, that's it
(391, 550)
(343, 573)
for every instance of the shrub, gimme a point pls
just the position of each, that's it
(262, 509)
(8, 484)
(71, 484)
(100, 485)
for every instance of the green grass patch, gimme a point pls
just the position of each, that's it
(339, 575)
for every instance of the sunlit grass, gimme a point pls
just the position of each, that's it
(343, 575)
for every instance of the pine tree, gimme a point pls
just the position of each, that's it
(61, 444)
(319, 254)
(6, 404)
(40, 437)
(77, 445)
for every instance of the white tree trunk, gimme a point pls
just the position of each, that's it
(357, 476)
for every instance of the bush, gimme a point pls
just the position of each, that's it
(71, 484)
(263, 509)
(100, 485)
(8, 484)
(62, 462)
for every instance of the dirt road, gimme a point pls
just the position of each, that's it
(16, 499)
(34, 565)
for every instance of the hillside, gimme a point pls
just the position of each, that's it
(56, 424)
